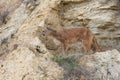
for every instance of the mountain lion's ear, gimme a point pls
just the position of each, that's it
(48, 28)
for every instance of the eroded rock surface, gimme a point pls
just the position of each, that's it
(22, 48)
(22, 64)
(29, 59)
(101, 66)
(102, 17)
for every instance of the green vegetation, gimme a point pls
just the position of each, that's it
(67, 62)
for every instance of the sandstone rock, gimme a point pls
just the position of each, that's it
(22, 64)
(102, 65)
(31, 59)
(100, 16)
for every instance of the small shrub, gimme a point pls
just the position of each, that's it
(67, 62)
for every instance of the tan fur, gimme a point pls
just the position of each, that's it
(72, 35)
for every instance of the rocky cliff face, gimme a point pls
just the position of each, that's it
(102, 17)
(24, 55)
